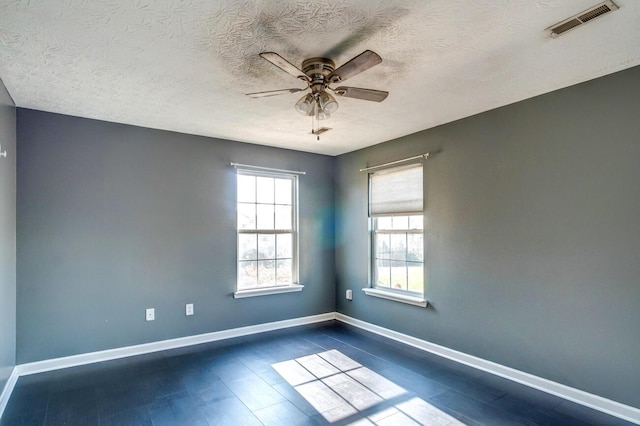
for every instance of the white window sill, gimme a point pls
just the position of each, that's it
(266, 291)
(396, 297)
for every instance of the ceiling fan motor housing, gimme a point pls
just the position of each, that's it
(318, 70)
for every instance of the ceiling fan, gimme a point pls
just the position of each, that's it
(319, 74)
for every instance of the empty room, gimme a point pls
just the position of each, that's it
(361, 212)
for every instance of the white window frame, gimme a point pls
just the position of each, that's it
(398, 295)
(294, 286)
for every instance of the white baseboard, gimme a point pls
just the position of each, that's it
(599, 403)
(5, 394)
(110, 354)
(596, 402)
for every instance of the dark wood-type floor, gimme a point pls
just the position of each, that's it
(329, 373)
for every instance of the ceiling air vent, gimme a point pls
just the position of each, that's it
(582, 18)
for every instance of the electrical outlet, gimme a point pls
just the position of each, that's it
(150, 314)
(349, 295)
(189, 309)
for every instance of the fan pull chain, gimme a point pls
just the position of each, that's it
(315, 128)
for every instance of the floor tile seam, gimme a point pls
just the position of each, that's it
(227, 380)
(537, 410)
(418, 420)
(283, 395)
(247, 362)
(502, 411)
(314, 343)
(235, 395)
(443, 382)
(568, 414)
(222, 399)
(277, 403)
(271, 405)
(358, 349)
(561, 404)
(420, 378)
(443, 391)
(558, 404)
(169, 394)
(366, 412)
(534, 406)
(484, 402)
(46, 411)
(387, 358)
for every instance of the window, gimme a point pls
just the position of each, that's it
(397, 234)
(267, 232)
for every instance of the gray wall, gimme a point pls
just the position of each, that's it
(532, 236)
(113, 219)
(7, 237)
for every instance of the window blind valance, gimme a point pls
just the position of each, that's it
(396, 190)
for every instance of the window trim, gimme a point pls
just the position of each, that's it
(396, 296)
(266, 291)
(295, 285)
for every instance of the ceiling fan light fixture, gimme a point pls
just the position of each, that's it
(305, 105)
(327, 103)
(318, 113)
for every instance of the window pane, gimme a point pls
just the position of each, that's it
(383, 246)
(383, 222)
(416, 222)
(266, 273)
(284, 246)
(265, 216)
(246, 216)
(265, 190)
(247, 246)
(283, 191)
(398, 246)
(266, 246)
(415, 247)
(283, 217)
(399, 275)
(284, 272)
(383, 272)
(247, 274)
(246, 189)
(416, 277)
(399, 254)
(400, 222)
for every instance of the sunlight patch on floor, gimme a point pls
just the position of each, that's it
(339, 388)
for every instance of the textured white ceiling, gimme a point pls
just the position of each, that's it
(185, 65)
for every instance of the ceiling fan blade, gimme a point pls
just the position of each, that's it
(360, 63)
(364, 94)
(284, 65)
(273, 93)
